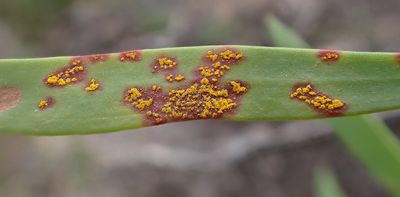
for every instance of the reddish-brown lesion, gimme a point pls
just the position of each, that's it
(169, 67)
(98, 58)
(130, 56)
(397, 58)
(72, 73)
(320, 102)
(328, 56)
(46, 103)
(205, 97)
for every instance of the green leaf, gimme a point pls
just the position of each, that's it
(373, 143)
(326, 184)
(365, 82)
(367, 137)
(282, 35)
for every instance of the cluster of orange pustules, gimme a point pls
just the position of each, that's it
(129, 56)
(67, 76)
(316, 100)
(204, 98)
(169, 65)
(329, 56)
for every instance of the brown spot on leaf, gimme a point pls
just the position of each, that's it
(397, 58)
(9, 98)
(320, 102)
(328, 56)
(205, 97)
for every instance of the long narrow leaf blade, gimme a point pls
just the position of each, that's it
(258, 82)
(326, 184)
(372, 143)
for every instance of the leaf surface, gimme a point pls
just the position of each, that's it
(365, 82)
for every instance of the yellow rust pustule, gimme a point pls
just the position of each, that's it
(68, 75)
(130, 56)
(203, 98)
(45, 103)
(166, 63)
(328, 56)
(93, 86)
(317, 100)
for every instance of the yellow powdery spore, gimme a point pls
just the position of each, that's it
(179, 77)
(330, 56)
(94, 85)
(213, 57)
(169, 78)
(142, 103)
(237, 87)
(134, 97)
(43, 104)
(66, 76)
(203, 98)
(155, 88)
(133, 94)
(228, 54)
(319, 101)
(166, 63)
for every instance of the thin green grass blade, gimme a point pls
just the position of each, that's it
(372, 142)
(366, 136)
(282, 35)
(326, 184)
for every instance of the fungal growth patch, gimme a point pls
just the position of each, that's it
(74, 72)
(98, 58)
(322, 103)
(203, 98)
(92, 86)
(169, 66)
(45, 103)
(130, 56)
(9, 98)
(397, 58)
(328, 56)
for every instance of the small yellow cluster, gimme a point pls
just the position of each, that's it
(43, 104)
(202, 100)
(155, 88)
(179, 77)
(94, 85)
(225, 55)
(213, 57)
(317, 100)
(133, 94)
(134, 97)
(237, 87)
(170, 78)
(329, 56)
(129, 56)
(228, 54)
(66, 77)
(166, 63)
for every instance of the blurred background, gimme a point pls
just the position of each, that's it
(198, 158)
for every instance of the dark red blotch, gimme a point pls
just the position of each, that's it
(124, 56)
(160, 98)
(323, 112)
(328, 56)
